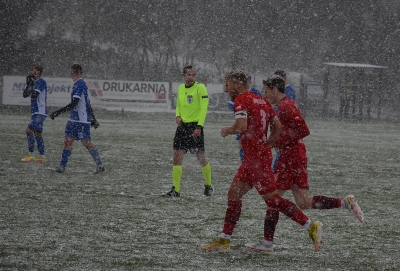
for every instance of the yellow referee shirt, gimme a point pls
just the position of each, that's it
(192, 103)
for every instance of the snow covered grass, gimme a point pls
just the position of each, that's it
(119, 221)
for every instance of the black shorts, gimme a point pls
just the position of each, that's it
(184, 139)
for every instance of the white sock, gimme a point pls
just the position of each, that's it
(225, 236)
(307, 225)
(344, 204)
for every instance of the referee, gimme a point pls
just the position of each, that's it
(191, 112)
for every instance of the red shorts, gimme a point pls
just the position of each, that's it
(292, 169)
(258, 175)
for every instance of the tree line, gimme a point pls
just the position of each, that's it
(152, 39)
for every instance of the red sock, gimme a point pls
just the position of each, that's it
(288, 208)
(270, 221)
(232, 216)
(322, 202)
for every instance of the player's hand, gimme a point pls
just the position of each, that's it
(94, 123)
(196, 132)
(30, 80)
(54, 115)
(178, 120)
(224, 131)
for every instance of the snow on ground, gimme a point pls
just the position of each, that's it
(119, 221)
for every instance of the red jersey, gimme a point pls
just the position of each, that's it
(255, 169)
(259, 113)
(294, 127)
(292, 164)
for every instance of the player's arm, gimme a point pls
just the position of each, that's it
(35, 94)
(298, 129)
(66, 108)
(178, 118)
(238, 127)
(276, 129)
(203, 106)
(203, 96)
(93, 122)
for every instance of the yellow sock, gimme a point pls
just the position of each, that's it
(176, 177)
(207, 174)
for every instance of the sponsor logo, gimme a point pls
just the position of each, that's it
(134, 87)
(17, 87)
(54, 88)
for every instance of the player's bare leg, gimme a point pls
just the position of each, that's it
(236, 191)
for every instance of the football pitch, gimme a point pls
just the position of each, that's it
(119, 220)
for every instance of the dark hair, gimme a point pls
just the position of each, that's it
(38, 67)
(77, 68)
(237, 75)
(281, 73)
(248, 76)
(275, 81)
(189, 67)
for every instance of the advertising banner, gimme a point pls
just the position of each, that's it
(108, 94)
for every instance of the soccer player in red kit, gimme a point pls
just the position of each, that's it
(253, 115)
(291, 169)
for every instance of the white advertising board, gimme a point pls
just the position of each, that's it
(109, 94)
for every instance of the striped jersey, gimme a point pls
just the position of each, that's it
(81, 112)
(39, 104)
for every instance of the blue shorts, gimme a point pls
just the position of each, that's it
(36, 123)
(78, 130)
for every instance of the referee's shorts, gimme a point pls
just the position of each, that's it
(184, 139)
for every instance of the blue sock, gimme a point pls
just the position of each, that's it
(64, 158)
(31, 142)
(40, 145)
(95, 154)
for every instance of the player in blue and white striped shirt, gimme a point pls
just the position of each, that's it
(36, 89)
(80, 120)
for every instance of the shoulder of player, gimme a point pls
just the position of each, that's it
(289, 89)
(196, 83)
(199, 86)
(252, 95)
(80, 82)
(41, 83)
(287, 104)
(256, 91)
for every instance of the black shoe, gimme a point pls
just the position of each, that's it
(173, 193)
(208, 190)
(58, 169)
(99, 169)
